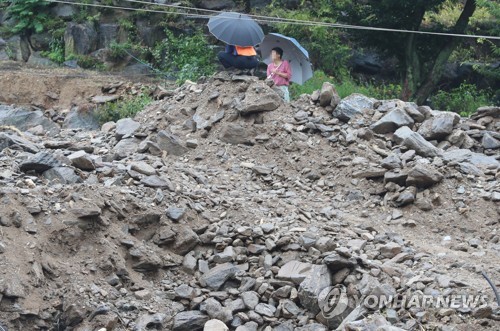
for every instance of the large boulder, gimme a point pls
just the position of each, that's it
(170, 143)
(423, 176)
(109, 32)
(150, 34)
(236, 134)
(81, 119)
(467, 156)
(36, 60)
(413, 140)
(258, 99)
(317, 279)
(440, 126)
(11, 140)
(353, 105)
(392, 121)
(40, 41)
(19, 48)
(25, 119)
(80, 39)
(328, 95)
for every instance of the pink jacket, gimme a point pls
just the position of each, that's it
(282, 68)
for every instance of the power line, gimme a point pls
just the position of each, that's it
(269, 19)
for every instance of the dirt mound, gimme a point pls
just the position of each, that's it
(221, 202)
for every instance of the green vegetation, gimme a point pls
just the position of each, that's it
(184, 56)
(30, 15)
(346, 86)
(114, 111)
(56, 52)
(464, 99)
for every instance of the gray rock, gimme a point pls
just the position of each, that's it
(353, 105)
(109, 32)
(412, 110)
(189, 264)
(215, 325)
(24, 119)
(19, 48)
(336, 262)
(257, 99)
(236, 134)
(312, 327)
(80, 39)
(38, 61)
(64, 175)
(175, 213)
(40, 162)
(327, 94)
(439, 126)
(318, 279)
(81, 119)
(184, 291)
(217, 276)
(226, 256)
(148, 321)
(390, 250)
(149, 34)
(143, 168)
(250, 299)
(185, 240)
(126, 127)
(82, 160)
(413, 140)
(393, 120)
(126, 147)
(465, 155)
(487, 111)
(189, 321)
(265, 309)
(156, 182)
(489, 142)
(295, 271)
(406, 197)
(457, 137)
(423, 176)
(391, 162)
(11, 140)
(170, 143)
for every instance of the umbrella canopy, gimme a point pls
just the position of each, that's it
(293, 52)
(236, 29)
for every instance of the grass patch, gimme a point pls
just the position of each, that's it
(114, 111)
(346, 86)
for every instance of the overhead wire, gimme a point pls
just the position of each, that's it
(266, 19)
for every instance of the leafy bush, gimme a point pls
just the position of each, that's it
(30, 15)
(185, 56)
(122, 108)
(56, 52)
(464, 99)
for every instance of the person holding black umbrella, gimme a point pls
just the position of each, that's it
(239, 57)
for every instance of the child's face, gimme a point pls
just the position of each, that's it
(275, 56)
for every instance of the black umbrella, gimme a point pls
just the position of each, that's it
(236, 29)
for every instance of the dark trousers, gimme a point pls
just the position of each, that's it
(238, 61)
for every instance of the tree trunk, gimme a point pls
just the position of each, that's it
(412, 61)
(412, 74)
(442, 57)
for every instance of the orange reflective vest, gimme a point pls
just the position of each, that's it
(246, 50)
